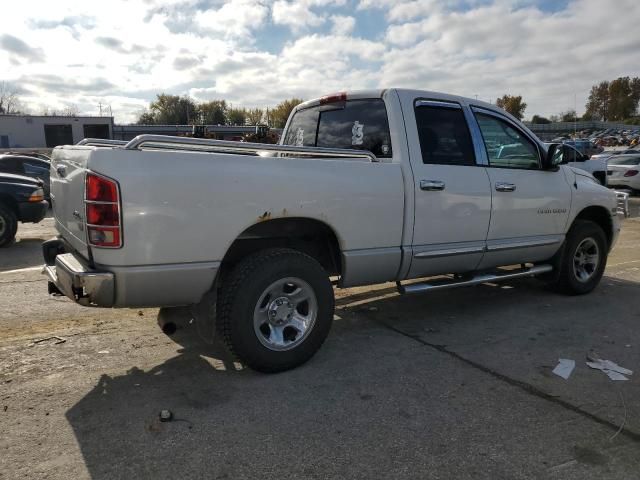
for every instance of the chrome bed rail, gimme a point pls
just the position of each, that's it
(206, 145)
(101, 142)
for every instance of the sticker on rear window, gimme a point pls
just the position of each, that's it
(299, 137)
(357, 133)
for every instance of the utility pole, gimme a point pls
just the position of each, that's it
(100, 107)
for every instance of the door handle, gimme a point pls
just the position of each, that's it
(62, 170)
(431, 185)
(505, 187)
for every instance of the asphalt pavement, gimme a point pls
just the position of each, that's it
(452, 384)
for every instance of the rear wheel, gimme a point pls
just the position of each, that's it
(8, 225)
(584, 259)
(275, 309)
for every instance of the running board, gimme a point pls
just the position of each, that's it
(476, 280)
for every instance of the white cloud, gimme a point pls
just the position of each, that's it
(301, 14)
(234, 19)
(342, 24)
(296, 15)
(75, 52)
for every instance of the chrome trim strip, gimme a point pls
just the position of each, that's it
(437, 103)
(450, 252)
(498, 247)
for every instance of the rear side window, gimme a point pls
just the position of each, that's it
(444, 136)
(356, 124)
(303, 129)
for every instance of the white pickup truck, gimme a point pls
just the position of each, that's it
(366, 187)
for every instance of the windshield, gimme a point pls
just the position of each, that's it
(356, 124)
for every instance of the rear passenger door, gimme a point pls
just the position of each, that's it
(452, 192)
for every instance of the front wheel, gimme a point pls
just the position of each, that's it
(584, 259)
(275, 309)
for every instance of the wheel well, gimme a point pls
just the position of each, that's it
(601, 216)
(9, 202)
(312, 237)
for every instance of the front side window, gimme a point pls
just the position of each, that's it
(354, 124)
(444, 136)
(506, 146)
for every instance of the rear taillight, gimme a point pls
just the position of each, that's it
(630, 173)
(102, 209)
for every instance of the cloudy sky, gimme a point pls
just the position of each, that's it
(258, 52)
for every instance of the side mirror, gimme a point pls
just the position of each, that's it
(554, 157)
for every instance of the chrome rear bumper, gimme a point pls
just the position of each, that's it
(83, 285)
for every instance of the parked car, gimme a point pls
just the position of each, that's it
(586, 147)
(29, 167)
(595, 166)
(370, 187)
(610, 153)
(21, 200)
(624, 171)
(34, 154)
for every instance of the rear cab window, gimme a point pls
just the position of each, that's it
(354, 124)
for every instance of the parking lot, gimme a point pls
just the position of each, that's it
(452, 384)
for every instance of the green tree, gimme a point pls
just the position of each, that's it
(173, 110)
(537, 119)
(254, 116)
(512, 104)
(236, 116)
(145, 118)
(597, 107)
(278, 116)
(622, 103)
(569, 116)
(213, 112)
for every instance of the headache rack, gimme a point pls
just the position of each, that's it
(167, 142)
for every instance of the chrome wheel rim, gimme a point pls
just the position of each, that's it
(285, 314)
(586, 260)
(3, 226)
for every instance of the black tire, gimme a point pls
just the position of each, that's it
(247, 284)
(583, 234)
(8, 225)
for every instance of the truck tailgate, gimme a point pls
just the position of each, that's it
(68, 170)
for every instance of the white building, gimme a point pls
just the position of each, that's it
(33, 131)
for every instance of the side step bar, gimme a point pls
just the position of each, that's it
(476, 280)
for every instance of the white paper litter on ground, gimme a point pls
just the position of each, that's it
(612, 369)
(564, 368)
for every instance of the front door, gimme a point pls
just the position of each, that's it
(452, 192)
(530, 206)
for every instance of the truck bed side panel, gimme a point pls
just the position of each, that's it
(188, 208)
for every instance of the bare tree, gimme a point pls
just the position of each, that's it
(9, 101)
(71, 111)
